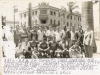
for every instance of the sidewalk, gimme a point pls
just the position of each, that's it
(97, 55)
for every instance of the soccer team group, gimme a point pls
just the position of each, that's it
(49, 42)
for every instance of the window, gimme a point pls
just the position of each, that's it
(63, 15)
(35, 21)
(71, 17)
(67, 24)
(78, 18)
(35, 12)
(24, 15)
(51, 13)
(50, 21)
(55, 13)
(54, 21)
(58, 22)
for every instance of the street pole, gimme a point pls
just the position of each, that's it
(14, 17)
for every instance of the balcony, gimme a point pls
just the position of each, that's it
(43, 16)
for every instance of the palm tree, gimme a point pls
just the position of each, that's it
(62, 11)
(71, 6)
(30, 15)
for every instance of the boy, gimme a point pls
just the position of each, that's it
(43, 48)
(75, 51)
(64, 47)
(53, 46)
(28, 53)
(35, 53)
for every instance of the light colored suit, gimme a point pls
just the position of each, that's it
(88, 38)
(88, 42)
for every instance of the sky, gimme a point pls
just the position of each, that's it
(6, 7)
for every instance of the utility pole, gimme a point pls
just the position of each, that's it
(15, 10)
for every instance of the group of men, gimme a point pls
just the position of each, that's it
(45, 42)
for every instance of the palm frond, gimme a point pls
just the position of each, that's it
(71, 6)
(73, 3)
(75, 7)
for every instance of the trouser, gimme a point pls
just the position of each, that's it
(69, 43)
(88, 51)
(43, 53)
(66, 54)
(52, 53)
(58, 54)
(48, 38)
(82, 47)
(16, 42)
(72, 42)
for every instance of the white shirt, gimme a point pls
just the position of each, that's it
(52, 33)
(62, 33)
(9, 44)
(72, 35)
(57, 35)
(40, 35)
(88, 38)
(48, 33)
(25, 46)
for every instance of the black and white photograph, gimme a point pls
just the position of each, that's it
(50, 29)
(59, 37)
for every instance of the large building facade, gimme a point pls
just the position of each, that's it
(46, 15)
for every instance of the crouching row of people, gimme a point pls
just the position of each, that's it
(51, 49)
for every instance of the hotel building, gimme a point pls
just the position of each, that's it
(46, 15)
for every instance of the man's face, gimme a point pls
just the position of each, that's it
(76, 44)
(54, 38)
(80, 27)
(26, 40)
(88, 28)
(72, 28)
(33, 39)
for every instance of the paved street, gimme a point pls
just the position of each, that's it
(97, 55)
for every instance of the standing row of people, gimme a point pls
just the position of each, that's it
(52, 42)
(71, 38)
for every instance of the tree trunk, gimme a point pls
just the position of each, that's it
(30, 16)
(87, 19)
